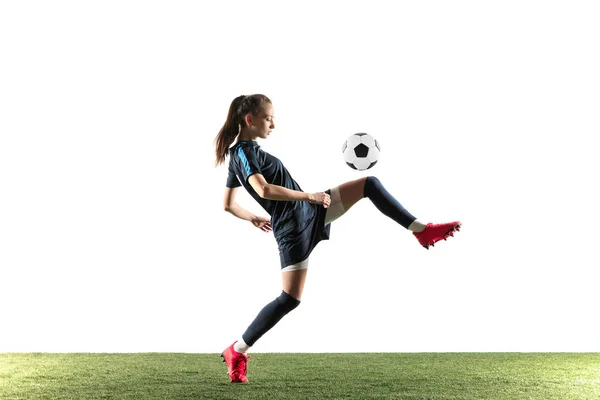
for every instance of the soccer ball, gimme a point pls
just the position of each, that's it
(361, 151)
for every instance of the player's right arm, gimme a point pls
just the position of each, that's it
(232, 207)
(269, 191)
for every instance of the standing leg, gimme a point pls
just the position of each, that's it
(235, 355)
(293, 282)
(289, 299)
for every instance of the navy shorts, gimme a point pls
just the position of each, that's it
(295, 249)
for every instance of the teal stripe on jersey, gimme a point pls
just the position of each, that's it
(244, 161)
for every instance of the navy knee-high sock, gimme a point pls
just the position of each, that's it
(386, 203)
(269, 316)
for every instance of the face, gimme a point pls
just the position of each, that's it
(263, 123)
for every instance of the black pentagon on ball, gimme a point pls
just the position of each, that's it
(351, 165)
(377, 144)
(360, 134)
(361, 150)
(373, 163)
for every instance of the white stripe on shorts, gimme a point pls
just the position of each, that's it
(296, 267)
(336, 208)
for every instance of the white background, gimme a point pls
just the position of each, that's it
(112, 234)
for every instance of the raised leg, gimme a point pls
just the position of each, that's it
(351, 192)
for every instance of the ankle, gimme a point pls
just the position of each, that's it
(417, 226)
(241, 347)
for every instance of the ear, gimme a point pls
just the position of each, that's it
(248, 119)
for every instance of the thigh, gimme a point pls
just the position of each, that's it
(343, 197)
(351, 192)
(293, 282)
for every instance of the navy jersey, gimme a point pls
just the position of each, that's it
(292, 221)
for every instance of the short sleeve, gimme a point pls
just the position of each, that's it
(248, 162)
(232, 179)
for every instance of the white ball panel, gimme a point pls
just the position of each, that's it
(353, 141)
(368, 140)
(349, 155)
(373, 154)
(362, 163)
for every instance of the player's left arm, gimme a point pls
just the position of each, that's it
(232, 207)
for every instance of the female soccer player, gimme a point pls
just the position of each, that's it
(298, 220)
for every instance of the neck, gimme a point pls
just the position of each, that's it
(246, 136)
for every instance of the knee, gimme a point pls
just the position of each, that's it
(370, 183)
(287, 302)
(372, 179)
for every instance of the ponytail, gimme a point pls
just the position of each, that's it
(239, 108)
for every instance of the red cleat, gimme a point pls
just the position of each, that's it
(237, 364)
(433, 233)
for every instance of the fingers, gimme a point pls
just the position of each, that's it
(320, 198)
(262, 223)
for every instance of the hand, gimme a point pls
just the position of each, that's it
(262, 223)
(319, 198)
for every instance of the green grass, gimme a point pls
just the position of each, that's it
(542, 376)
